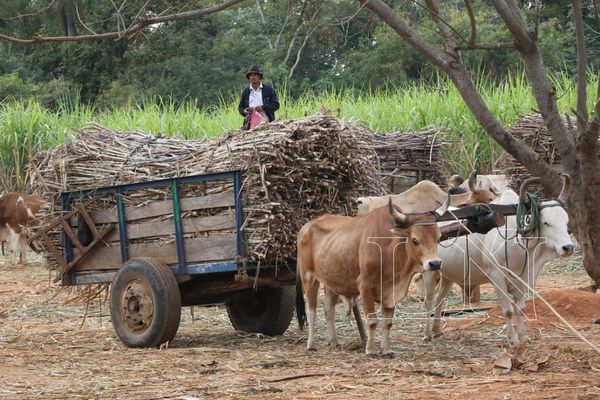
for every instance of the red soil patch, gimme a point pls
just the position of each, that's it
(575, 305)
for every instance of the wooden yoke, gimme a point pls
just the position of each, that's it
(480, 218)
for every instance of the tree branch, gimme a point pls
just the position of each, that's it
(473, 35)
(514, 22)
(299, 52)
(295, 36)
(488, 46)
(543, 91)
(264, 23)
(443, 26)
(285, 22)
(35, 14)
(131, 31)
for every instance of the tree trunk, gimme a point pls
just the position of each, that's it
(67, 14)
(587, 200)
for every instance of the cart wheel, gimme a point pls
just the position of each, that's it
(145, 304)
(268, 311)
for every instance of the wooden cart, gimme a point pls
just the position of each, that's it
(160, 256)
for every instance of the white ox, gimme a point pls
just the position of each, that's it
(488, 260)
(427, 196)
(457, 184)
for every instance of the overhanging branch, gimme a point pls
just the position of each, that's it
(488, 46)
(133, 30)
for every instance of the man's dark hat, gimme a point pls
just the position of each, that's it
(255, 69)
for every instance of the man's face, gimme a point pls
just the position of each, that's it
(254, 78)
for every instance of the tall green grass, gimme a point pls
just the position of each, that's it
(26, 128)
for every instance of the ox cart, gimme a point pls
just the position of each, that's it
(186, 249)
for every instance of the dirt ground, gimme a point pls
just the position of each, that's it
(47, 353)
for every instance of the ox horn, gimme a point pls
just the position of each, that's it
(523, 190)
(566, 188)
(398, 216)
(443, 208)
(473, 182)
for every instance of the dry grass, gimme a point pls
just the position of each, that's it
(45, 352)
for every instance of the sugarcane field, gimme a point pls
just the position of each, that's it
(300, 199)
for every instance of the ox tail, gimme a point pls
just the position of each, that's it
(300, 307)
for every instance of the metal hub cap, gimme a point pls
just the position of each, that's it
(137, 305)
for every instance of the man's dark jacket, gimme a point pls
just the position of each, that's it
(269, 97)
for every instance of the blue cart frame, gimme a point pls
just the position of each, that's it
(182, 268)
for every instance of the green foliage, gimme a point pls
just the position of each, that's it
(12, 87)
(26, 128)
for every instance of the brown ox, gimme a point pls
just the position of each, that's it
(17, 212)
(373, 255)
(427, 196)
(496, 183)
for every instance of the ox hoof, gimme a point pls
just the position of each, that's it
(311, 349)
(427, 339)
(524, 339)
(336, 346)
(437, 335)
(389, 356)
(373, 355)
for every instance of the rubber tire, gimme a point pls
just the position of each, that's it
(268, 311)
(166, 300)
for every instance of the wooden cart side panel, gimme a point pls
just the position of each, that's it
(197, 250)
(156, 209)
(167, 228)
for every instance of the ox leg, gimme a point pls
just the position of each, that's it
(311, 288)
(23, 250)
(14, 240)
(430, 279)
(443, 290)
(506, 302)
(520, 317)
(388, 317)
(420, 285)
(329, 305)
(471, 294)
(371, 315)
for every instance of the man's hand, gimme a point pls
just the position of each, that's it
(259, 109)
(248, 111)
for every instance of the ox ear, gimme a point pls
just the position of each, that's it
(566, 189)
(397, 213)
(523, 189)
(473, 182)
(443, 208)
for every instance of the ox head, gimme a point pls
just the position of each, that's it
(479, 193)
(421, 233)
(554, 220)
(454, 185)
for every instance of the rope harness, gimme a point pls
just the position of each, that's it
(528, 221)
